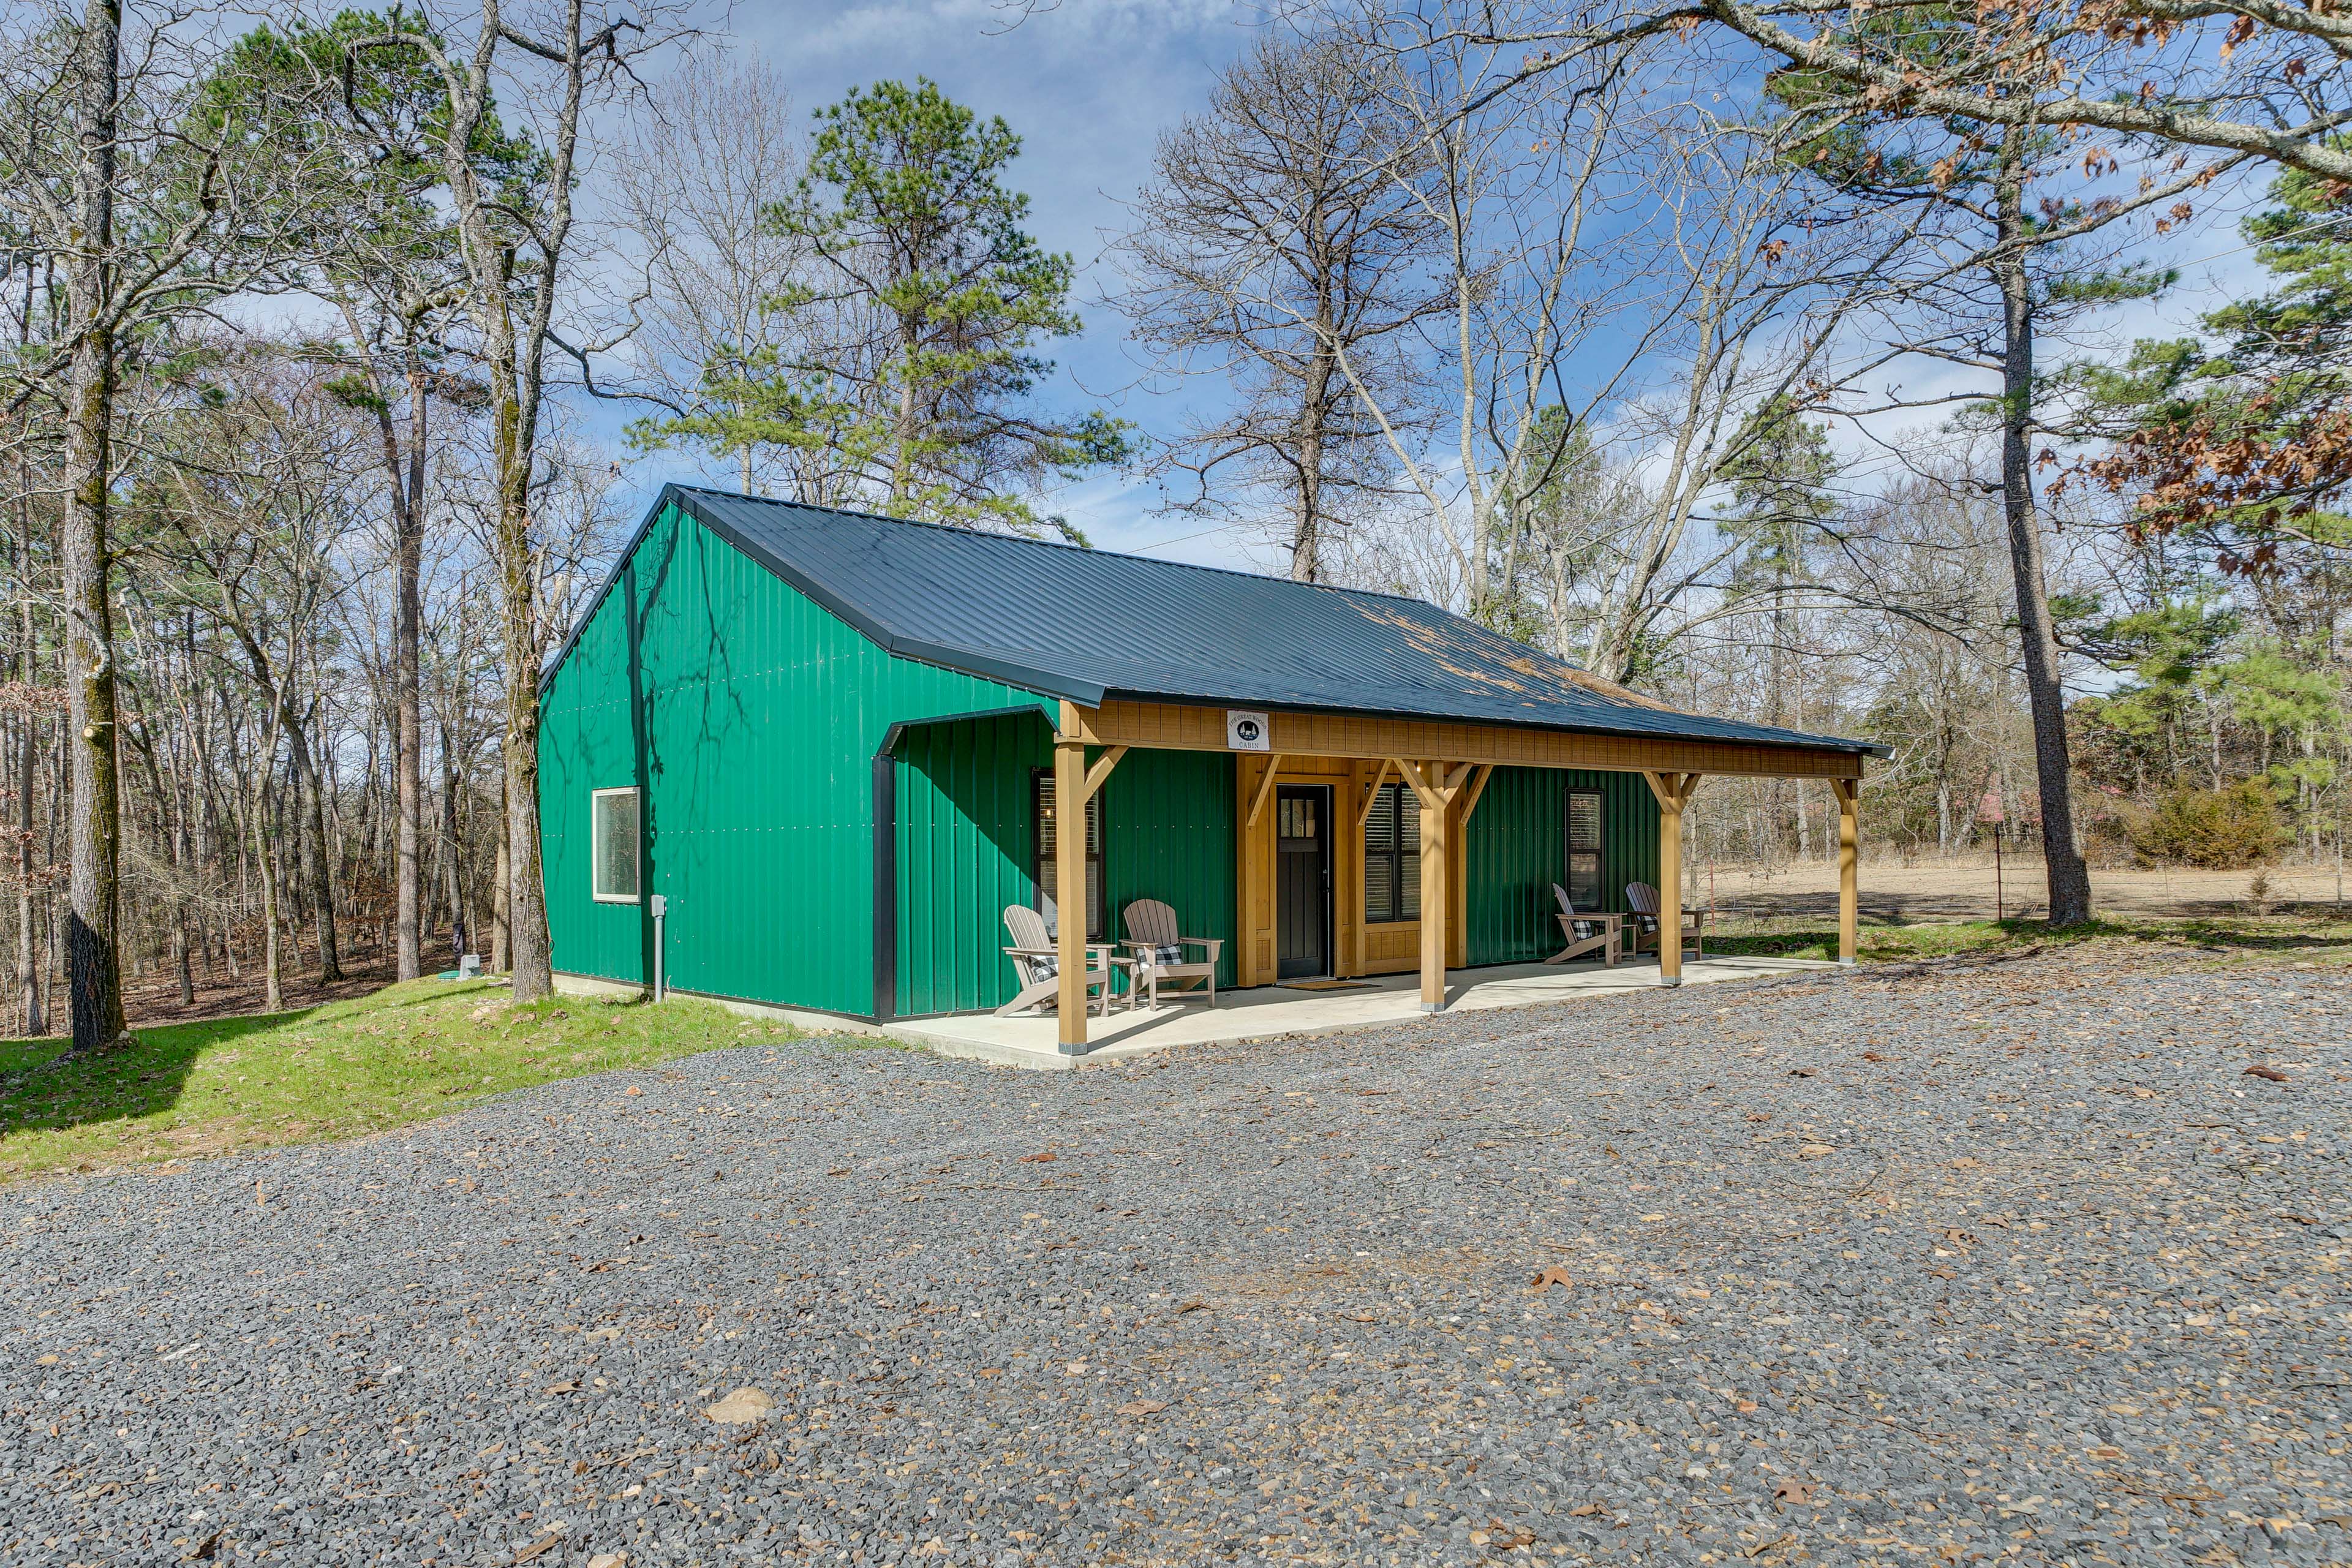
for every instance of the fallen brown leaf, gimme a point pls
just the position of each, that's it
(1801, 1072)
(1194, 1305)
(2258, 1070)
(1872, 1056)
(1143, 1407)
(1044, 1159)
(1584, 1510)
(545, 1543)
(742, 1406)
(1552, 1275)
(1793, 1491)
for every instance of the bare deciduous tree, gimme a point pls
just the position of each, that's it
(1283, 230)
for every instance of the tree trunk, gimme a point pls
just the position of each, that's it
(1307, 534)
(501, 907)
(2069, 878)
(521, 900)
(453, 863)
(314, 851)
(94, 977)
(30, 1015)
(407, 681)
(273, 969)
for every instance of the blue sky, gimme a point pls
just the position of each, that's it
(1089, 87)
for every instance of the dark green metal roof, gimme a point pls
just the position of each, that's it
(1084, 625)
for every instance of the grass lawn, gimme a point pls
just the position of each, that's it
(2309, 937)
(405, 1054)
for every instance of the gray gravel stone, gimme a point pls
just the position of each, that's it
(2007, 1262)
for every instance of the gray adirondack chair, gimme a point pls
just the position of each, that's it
(1587, 931)
(1643, 899)
(1152, 936)
(1038, 963)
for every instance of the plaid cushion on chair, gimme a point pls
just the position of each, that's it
(1043, 968)
(1166, 953)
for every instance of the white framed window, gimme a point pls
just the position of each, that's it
(613, 855)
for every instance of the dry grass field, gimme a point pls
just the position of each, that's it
(1964, 890)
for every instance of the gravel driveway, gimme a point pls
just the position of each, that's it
(2015, 1262)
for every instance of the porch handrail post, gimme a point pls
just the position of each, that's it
(1070, 883)
(1849, 799)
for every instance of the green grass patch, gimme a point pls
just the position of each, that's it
(2317, 940)
(405, 1054)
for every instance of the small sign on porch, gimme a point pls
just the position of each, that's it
(1247, 731)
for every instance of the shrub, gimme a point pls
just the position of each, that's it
(2220, 829)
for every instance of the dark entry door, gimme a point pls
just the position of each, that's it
(1302, 880)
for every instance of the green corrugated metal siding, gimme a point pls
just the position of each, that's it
(1515, 851)
(1168, 834)
(748, 717)
(964, 851)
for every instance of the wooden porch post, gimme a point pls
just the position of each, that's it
(1074, 785)
(1673, 792)
(1849, 799)
(1434, 902)
(1436, 792)
(1070, 889)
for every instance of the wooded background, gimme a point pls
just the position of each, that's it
(1756, 355)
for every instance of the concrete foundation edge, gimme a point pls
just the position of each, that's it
(799, 1018)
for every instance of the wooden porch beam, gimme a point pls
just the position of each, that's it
(1478, 788)
(1364, 812)
(1101, 771)
(1264, 788)
(1176, 726)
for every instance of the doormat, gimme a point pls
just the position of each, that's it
(1326, 986)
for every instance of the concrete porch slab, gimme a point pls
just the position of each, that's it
(1271, 1011)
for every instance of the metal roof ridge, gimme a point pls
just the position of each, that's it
(1087, 550)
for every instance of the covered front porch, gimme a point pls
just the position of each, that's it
(1413, 860)
(1275, 1012)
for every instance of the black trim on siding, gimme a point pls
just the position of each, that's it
(886, 883)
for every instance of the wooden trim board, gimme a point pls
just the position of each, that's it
(1175, 726)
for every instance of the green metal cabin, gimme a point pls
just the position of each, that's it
(830, 740)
